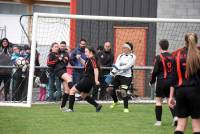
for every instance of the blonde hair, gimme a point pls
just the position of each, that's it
(193, 55)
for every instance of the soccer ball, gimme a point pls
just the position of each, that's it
(20, 62)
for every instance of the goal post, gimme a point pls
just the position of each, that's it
(144, 33)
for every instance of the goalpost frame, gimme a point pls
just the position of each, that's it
(81, 17)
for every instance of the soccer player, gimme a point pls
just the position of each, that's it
(187, 85)
(122, 73)
(58, 65)
(90, 75)
(163, 68)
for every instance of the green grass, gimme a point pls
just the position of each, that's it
(48, 119)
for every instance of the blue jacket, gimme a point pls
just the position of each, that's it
(73, 60)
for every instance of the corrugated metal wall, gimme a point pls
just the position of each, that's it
(97, 32)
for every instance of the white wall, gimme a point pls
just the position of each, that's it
(13, 28)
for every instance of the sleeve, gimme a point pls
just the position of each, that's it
(155, 70)
(52, 60)
(174, 73)
(73, 57)
(94, 63)
(132, 59)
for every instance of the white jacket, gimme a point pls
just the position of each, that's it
(124, 63)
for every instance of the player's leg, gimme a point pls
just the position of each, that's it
(158, 105)
(91, 101)
(67, 84)
(116, 83)
(182, 123)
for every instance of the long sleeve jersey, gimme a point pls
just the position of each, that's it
(124, 63)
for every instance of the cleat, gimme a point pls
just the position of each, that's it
(63, 109)
(69, 110)
(114, 104)
(98, 108)
(126, 110)
(158, 123)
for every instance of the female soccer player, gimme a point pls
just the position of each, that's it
(163, 66)
(187, 78)
(91, 74)
(122, 73)
(58, 65)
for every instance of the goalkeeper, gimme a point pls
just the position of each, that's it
(122, 73)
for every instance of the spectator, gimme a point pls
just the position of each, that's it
(20, 79)
(54, 84)
(5, 73)
(105, 58)
(75, 55)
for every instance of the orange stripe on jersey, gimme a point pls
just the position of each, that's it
(164, 66)
(94, 63)
(180, 78)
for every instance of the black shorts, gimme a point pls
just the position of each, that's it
(163, 88)
(60, 73)
(121, 81)
(188, 102)
(85, 84)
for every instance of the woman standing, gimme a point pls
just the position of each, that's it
(187, 85)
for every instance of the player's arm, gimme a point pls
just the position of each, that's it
(96, 71)
(155, 70)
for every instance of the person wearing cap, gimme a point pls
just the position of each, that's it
(122, 73)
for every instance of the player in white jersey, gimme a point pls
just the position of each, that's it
(122, 73)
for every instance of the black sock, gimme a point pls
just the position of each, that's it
(158, 111)
(172, 110)
(178, 132)
(91, 101)
(125, 102)
(114, 96)
(64, 100)
(196, 132)
(70, 85)
(71, 101)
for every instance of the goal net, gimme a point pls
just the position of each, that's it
(144, 33)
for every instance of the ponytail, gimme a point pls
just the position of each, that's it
(193, 56)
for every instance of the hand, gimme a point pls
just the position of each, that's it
(60, 58)
(171, 102)
(78, 56)
(97, 82)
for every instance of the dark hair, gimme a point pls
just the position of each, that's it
(164, 44)
(91, 49)
(100, 48)
(82, 39)
(52, 45)
(63, 42)
(2, 42)
(27, 47)
(193, 55)
(130, 44)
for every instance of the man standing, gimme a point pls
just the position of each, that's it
(105, 58)
(75, 55)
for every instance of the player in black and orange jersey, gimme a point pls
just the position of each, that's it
(187, 85)
(84, 86)
(162, 72)
(58, 64)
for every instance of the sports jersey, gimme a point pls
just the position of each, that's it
(181, 79)
(90, 64)
(55, 63)
(124, 64)
(163, 67)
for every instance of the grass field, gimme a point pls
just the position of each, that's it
(48, 119)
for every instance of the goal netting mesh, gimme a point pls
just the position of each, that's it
(144, 33)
